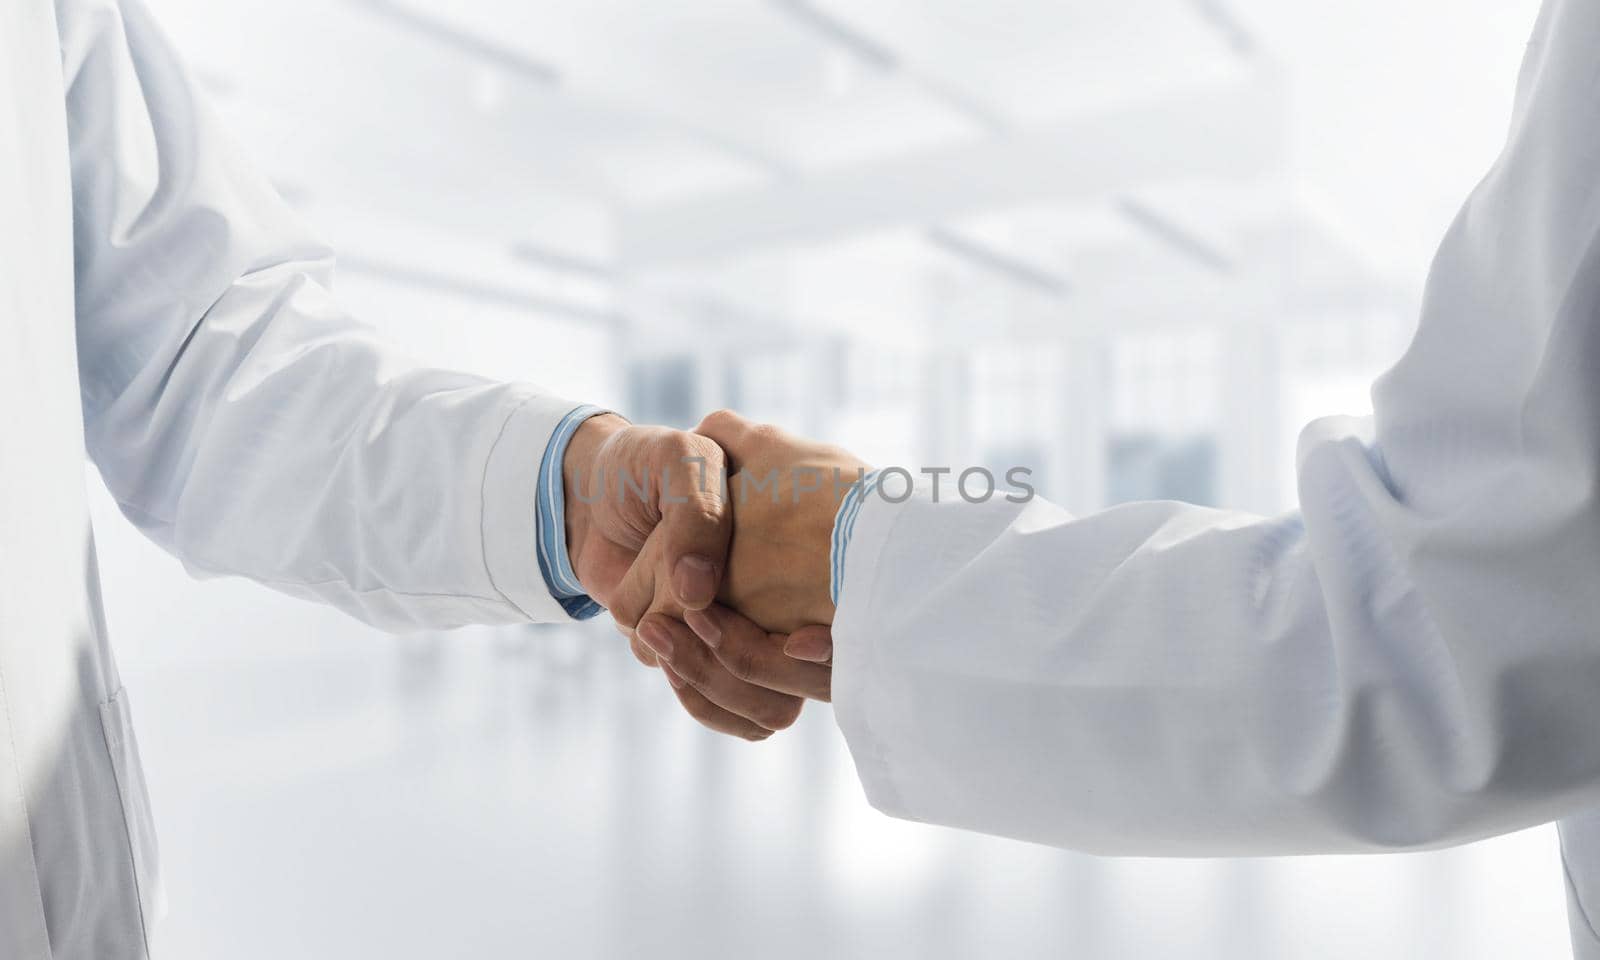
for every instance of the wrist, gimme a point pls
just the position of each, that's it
(815, 538)
(809, 564)
(780, 572)
(581, 485)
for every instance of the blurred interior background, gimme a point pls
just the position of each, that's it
(1133, 245)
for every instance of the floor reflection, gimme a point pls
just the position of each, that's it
(535, 792)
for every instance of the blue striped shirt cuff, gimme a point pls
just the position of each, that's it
(552, 506)
(844, 524)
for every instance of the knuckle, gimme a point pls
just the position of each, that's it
(710, 510)
(742, 663)
(627, 616)
(698, 708)
(703, 509)
(717, 420)
(708, 449)
(678, 445)
(692, 670)
(696, 445)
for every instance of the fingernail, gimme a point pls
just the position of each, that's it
(672, 678)
(655, 637)
(810, 647)
(695, 580)
(704, 626)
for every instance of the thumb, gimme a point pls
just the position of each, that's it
(696, 526)
(635, 595)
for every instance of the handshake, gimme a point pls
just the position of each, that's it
(712, 551)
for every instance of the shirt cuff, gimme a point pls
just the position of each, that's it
(554, 562)
(844, 525)
(512, 526)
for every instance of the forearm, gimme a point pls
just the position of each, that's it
(1165, 680)
(286, 444)
(237, 414)
(1409, 661)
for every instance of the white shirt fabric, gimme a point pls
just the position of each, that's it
(1409, 660)
(161, 309)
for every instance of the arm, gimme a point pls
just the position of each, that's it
(251, 427)
(1409, 660)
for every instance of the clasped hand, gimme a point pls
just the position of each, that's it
(710, 549)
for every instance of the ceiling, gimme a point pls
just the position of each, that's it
(1044, 144)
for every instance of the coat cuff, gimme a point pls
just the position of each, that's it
(510, 507)
(862, 699)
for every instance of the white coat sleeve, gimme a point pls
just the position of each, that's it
(237, 414)
(1411, 659)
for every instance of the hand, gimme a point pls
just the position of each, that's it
(728, 672)
(785, 492)
(627, 486)
(739, 680)
(671, 510)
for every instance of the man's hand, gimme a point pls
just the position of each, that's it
(734, 677)
(785, 492)
(727, 670)
(647, 530)
(782, 494)
(628, 486)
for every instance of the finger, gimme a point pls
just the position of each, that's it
(724, 427)
(637, 594)
(813, 643)
(601, 568)
(753, 655)
(641, 652)
(695, 519)
(709, 714)
(693, 662)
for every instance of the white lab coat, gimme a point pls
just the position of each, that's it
(160, 306)
(1411, 659)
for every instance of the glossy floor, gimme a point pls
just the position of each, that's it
(324, 791)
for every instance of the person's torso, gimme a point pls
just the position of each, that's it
(75, 842)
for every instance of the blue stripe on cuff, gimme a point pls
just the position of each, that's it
(551, 503)
(844, 525)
